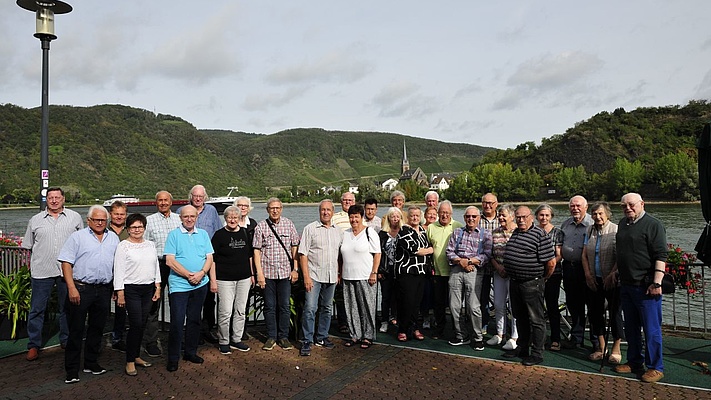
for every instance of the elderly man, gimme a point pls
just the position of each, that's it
(340, 219)
(432, 199)
(46, 233)
(371, 220)
(209, 221)
(529, 260)
(438, 233)
(641, 259)
(488, 221)
(117, 225)
(188, 253)
(468, 249)
(87, 259)
(574, 229)
(318, 252)
(275, 243)
(158, 226)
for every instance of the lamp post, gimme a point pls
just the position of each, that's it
(45, 11)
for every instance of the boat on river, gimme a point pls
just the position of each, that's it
(136, 205)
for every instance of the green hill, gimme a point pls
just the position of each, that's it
(102, 150)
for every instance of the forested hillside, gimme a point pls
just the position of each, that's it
(102, 150)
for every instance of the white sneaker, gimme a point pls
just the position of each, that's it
(494, 341)
(510, 345)
(383, 327)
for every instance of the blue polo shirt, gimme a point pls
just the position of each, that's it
(190, 250)
(92, 261)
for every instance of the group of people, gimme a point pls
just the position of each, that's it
(420, 261)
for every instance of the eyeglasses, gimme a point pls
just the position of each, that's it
(630, 205)
(137, 228)
(523, 216)
(243, 205)
(471, 216)
(273, 208)
(488, 203)
(97, 221)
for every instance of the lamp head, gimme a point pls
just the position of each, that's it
(45, 11)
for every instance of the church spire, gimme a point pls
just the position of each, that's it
(405, 163)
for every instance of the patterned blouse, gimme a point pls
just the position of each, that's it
(408, 242)
(499, 237)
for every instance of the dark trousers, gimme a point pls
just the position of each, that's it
(150, 336)
(388, 287)
(575, 287)
(138, 305)
(185, 307)
(527, 307)
(410, 289)
(552, 294)
(91, 312)
(119, 324)
(440, 294)
(596, 310)
(277, 311)
(208, 312)
(426, 303)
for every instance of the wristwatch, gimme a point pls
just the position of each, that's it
(656, 285)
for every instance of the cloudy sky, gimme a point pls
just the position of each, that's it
(488, 73)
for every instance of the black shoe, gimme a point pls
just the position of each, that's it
(532, 360)
(194, 358)
(569, 344)
(210, 337)
(119, 346)
(515, 354)
(72, 378)
(478, 345)
(172, 366)
(95, 369)
(153, 350)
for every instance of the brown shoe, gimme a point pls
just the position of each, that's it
(627, 368)
(652, 375)
(33, 354)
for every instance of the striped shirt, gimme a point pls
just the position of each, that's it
(469, 244)
(45, 236)
(158, 226)
(321, 244)
(527, 253)
(273, 258)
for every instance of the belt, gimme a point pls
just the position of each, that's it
(573, 263)
(80, 283)
(526, 280)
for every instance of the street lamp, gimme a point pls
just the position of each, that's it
(45, 11)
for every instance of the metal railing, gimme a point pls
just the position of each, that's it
(687, 306)
(12, 258)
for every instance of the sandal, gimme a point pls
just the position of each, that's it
(350, 343)
(596, 356)
(418, 335)
(343, 329)
(615, 358)
(365, 343)
(555, 346)
(402, 337)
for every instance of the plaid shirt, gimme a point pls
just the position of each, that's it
(274, 260)
(158, 226)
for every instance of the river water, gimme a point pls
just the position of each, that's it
(684, 223)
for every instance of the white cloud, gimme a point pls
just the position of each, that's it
(552, 72)
(401, 99)
(265, 101)
(336, 66)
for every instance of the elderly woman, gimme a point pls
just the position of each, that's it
(544, 216)
(600, 267)
(430, 216)
(244, 204)
(499, 237)
(233, 277)
(391, 225)
(360, 258)
(137, 286)
(411, 269)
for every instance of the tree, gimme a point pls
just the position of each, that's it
(461, 190)
(677, 175)
(413, 191)
(626, 176)
(571, 181)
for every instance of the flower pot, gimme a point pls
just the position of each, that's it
(6, 329)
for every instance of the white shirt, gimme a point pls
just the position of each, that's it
(356, 252)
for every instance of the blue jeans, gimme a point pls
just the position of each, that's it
(41, 290)
(642, 312)
(320, 297)
(527, 307)
(277, 312)
(185, 304)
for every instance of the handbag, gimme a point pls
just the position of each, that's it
(668, 284)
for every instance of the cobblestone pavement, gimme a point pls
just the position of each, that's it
(344, 373)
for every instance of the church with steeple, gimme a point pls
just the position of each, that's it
(409, 175)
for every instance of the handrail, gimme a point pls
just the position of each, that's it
(12, 258)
